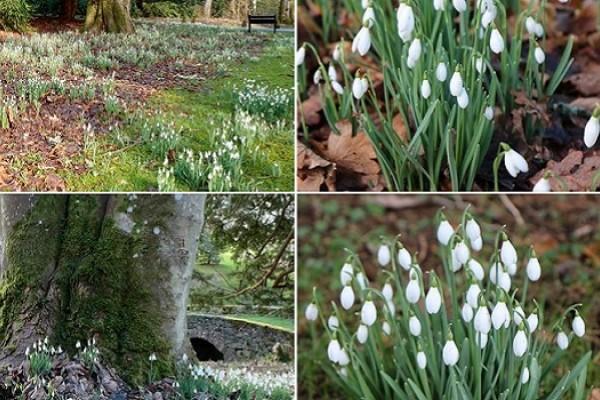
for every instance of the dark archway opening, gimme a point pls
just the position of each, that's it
(205, 350)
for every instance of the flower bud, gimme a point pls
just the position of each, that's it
(444, 232)
(450, 353)
(346, 273)
(404, 258)
(542, 186)
(489, 113)
(405, 21)
(413, 290)
(421, 360)
(578, 326)
(383, 255)
(433, 300)
(300, 54)
(311, 314)
(347, 297)
(463, 99)
(520, 343)
(333, 323)
(387, 329)
(456, 84)
(532, 321)
(362, 334)
(368, 313)
(467, 313)
(333, 350)
(500, 315)
(483, 320)
(534, 270)
(414, 325)
(441, 72)
(592, 129)
(476, 269)
(473, 295)
(539, 55)
(387, 291)
(460, 5)
(496, 41)
(525, 376)
(425, 89)
(472, 229)
(562, 340)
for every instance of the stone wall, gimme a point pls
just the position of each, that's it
(236, 340)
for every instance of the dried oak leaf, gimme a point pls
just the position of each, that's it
(575, 173)
(587, 82)
(308, 159)
(586, 103)
(310, 110)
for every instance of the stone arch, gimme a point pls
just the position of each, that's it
(205, 350)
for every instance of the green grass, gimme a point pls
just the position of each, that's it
(133, 168)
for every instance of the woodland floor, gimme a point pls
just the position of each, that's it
(564, 229)
(89, 113)
(328, 162)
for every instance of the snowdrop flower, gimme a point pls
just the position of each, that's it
(405, 21)
(404, 258)
(477, 244)
(525, 376)
(463, 99)
(496, 41)
(368, 313)
(441, 72)
(450, 351)
(488, 17)
(473, 295)
(578, 325)
(311, 314)
(362, 281)
(383, 255)
(414, 325)
(489, 113)
(300, 54)
(78, 344)
(518, 314)
(333, 323)
(365, 3)
(481, 339)
(483, 320)
(530, 25)
(152, 357)
(445, 231)
(438, 5)
(362, 41)
(508, 254)
(476, 269)
(347, 297)
(456, 84)
(360, 86)
(368, 17)
(387, 329)
(390, 307)
(532, 321)
(337, 87)
(520, 343)
(480, 65)
(332, 73)
(592, 129)
(461, 251)
(362, 334)
(387, 291)
(472, 228)
(425, 89)
(333, 350)
(343, 358)
(459, 5)
(534, 270)
(317, 76)
(562, 340)
(346, 274)
(414, 53)
(467, 312)
(539, 55)
(496, 271)
(542, 186)
(514, 162)
(433, 300)
(500, 314)
(337, 52)
(504, 282)
(413, 290)
(421, 359)
(539, 29)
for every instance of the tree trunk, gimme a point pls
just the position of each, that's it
(109, 16)
(112, 267)
(69, 9)
(208, 8)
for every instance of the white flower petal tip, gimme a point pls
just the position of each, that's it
(362, 334)
(520, 343)
(534, 270)
(496, 42)
(592, 130)
(433, 300)
(362, 41)
(368, 313)
(312, 312)
(384, 256)
(459, 5)
(300, 55)
(515, 163)
(539, 55)
(562, 340)
(441, 72)
(405, 21)
(444, 232)
(450, 353)
(578, 326)
(463, 99)
(542, 186)
(421, 360)
(347, 297)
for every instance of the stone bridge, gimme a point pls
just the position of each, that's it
(221, 338)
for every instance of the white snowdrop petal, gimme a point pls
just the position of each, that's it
(413, 291)
(489, 113)
(477, 244)
(539, 55)
(387, 291)
(532, 321)
(483, 320)
(456, 84)
(333, 350)
(441, 72)
(387, 329)
(518, 315)
(347, 297)
(499, 315)
(362, 334)
(433, 300)
(515, 163)
(425, 89)
(476, 269)
(445, 232)
(578, 326)
(473, 295)
(414, 325)
(333, 323)
(542, 186)
(383, 255)
(534, 270)
(481, 339)
(421, 360)
(562, 340)
(438, 5)
(312, 312)
(496, 42)
(404, 258)
(405, 19)
(300, 55)
(463, 99)
(368, 313)
(346, 274)
(520, 344)
(459, 5)
(525, 376)
(591, 132)
(472, 229)
(343, 358)
(467, 313)
(450, 353)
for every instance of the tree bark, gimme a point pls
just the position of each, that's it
(69, 9)
(112, 267)
(208, 8)
(111, 16)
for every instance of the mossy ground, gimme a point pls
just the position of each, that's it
(133, 168)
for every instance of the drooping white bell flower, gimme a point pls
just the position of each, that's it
(496, 271)
(500, 315)
(362, 334)
(520, 343)
(477, 244)
(483, 320)
(404, 258)
(425, 89)
(384, 256)
(362, 41)
(562, 340)
(405, 21)
(505, 282)
(300, 55)
(488, 17)
(343, 358)
(333, 323)
(413, 290)
(438, 5)
(463, 99)
(539, 29)
(414, 325)
(318, 76)
(508, 253)
(530, 25)
(337, 87)
(312, 312)
(360, 87)
(496, 41)
(489, 113)
(467, 313)
(414, 53)
(514, 162)
(472, 228)
(333, 350)
(532, 321)
(462, 251)
(476, 269)
(441, 72)
(347, 297)
(460, 5)
(362, 280)
(578, 326)
(518, 314)
(391, 308)
(525, 376)
(346, 273)
(332, 73)
(539, 55)
(369, 17)
(481, 339)
(473, 295)
(433, 300)
(450, 352)
(542, 186)
(456, 84)
(368, 313)
(592, 129)
(337, 52)
(480, 65)
(534, 270)
(421, 360)
(387, 291)
(365, 3)
(387, 329)
(445, 231)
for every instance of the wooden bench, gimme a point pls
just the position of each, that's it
(262, 19)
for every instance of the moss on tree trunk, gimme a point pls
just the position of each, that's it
(108, 16)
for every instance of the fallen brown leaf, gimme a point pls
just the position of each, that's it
(576, 172)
